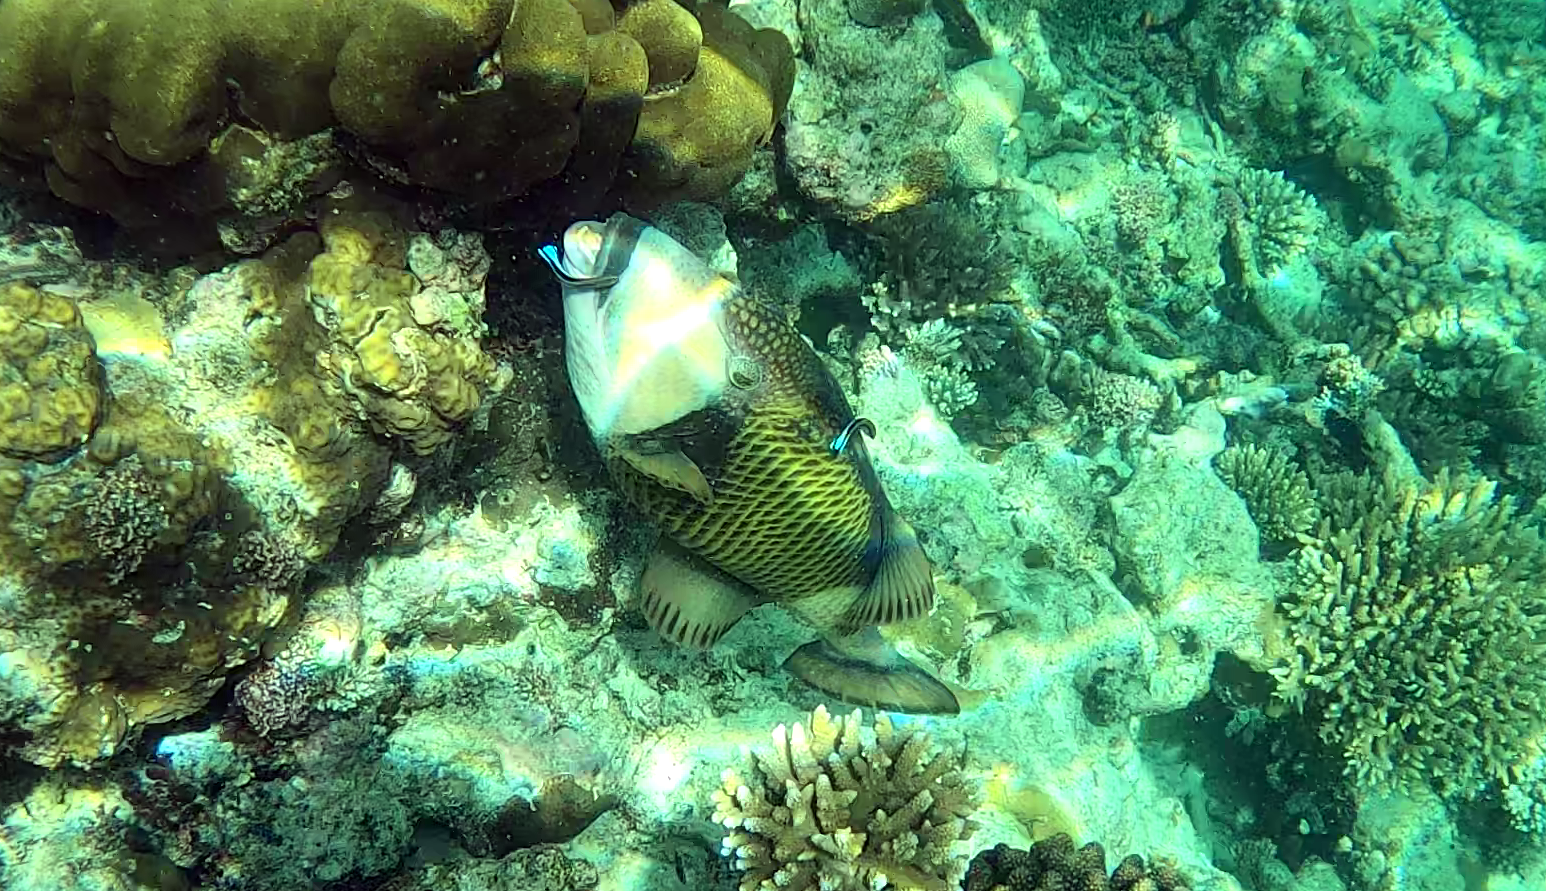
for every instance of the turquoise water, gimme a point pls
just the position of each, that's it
(658, 444)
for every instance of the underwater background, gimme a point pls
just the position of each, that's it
(1204, 348)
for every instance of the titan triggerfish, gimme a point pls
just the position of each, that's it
(720, 423)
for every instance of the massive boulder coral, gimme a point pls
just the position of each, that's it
(160, 110)
(1419, 628)
(836, 805)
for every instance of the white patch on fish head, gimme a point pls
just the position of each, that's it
(650, 348)
(582, 248)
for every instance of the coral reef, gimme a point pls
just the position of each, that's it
(1416, 619)
(1202, 344)
(500, 98)
(1054, 862)
(188, 450)
(838, 805)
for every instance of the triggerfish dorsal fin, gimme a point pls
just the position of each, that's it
(687, 600)
(673, 470)
(903, 586)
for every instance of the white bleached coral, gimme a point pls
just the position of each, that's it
(989, 94)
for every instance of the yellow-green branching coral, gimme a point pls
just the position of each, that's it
(1275, 491)
(1419, 624)
(837, 805)
(1278, 222)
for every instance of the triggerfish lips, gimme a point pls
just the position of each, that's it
(580, 263)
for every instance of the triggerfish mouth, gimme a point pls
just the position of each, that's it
(719, 422)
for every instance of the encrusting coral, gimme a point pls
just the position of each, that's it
(842, 807)
(127, 108)
(159, 504)
(1054, 863)
(1419, 620)
(1276, 492)
(411, 381)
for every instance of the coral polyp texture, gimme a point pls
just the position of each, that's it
(147, 110)
(51, 383)
(1054, 863)
(1275, 490)
(177, 454)
(1419, 620)
(838, 805)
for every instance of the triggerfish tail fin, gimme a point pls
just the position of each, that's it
(865, 670)
(688, 601)
(902, 588)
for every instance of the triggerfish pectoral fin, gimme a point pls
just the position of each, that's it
(865, 670)
(673, 470)
(687, 600)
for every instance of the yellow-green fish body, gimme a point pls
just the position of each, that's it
(720, 423)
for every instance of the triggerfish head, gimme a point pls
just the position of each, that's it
(719, 422)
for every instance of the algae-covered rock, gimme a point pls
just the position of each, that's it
(870, 113)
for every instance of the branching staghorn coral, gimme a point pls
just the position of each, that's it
(841, 807)
(1419, 618)
(1277, 222)
(934, 351)
(1275, 491)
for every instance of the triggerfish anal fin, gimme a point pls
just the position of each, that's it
(903, 586)
(687, 600)
(865, 670)
(673, 470)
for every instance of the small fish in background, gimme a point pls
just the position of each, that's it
(720, 423)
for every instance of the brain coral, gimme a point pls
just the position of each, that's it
(837, 806)
(1419, 620)
(120, 107)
